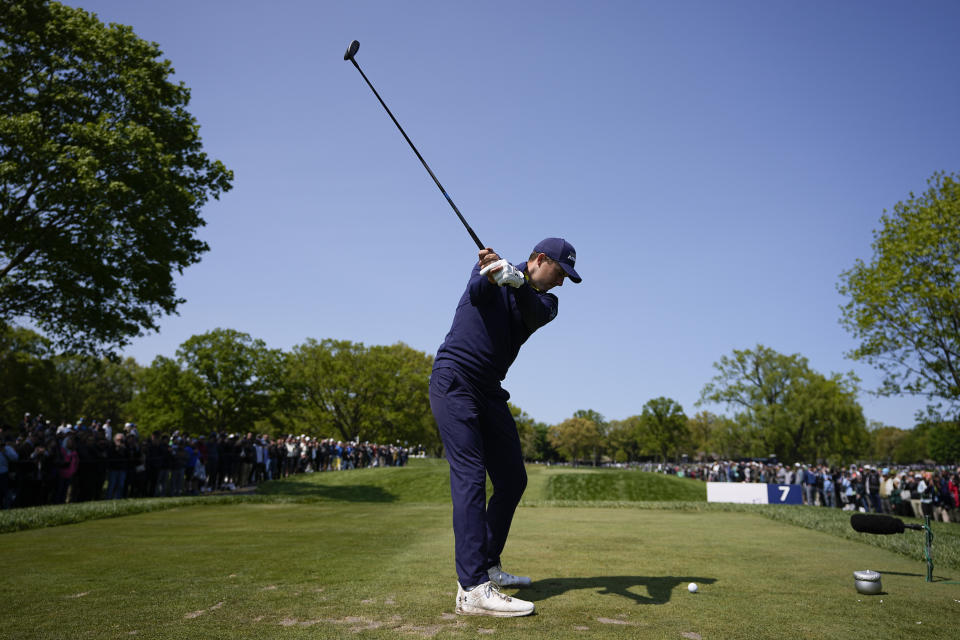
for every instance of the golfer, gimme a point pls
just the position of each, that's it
(502, 306)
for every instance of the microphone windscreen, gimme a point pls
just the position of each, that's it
(879, 524)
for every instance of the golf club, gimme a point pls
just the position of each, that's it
(350, 55)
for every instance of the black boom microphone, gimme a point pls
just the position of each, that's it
(880, 524)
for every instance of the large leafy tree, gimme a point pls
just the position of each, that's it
(90, 387)
(377, 394)
(61, 387)
(914, 447)
(712, 435)
(26, 373)
(575, 438)
(885, 441)
(222, 380)
(786, 408)
(102, 177)
(602, 425)
(904, 304)
(664, 427)
(623, 439)
(943, 443)
(533, 436)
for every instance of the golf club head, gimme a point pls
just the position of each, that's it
(351, 50)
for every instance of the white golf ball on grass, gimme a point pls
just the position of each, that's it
(692, 587)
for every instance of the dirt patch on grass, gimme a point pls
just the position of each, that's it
(359, 624)
(197, 614)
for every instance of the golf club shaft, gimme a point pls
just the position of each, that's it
(422, 161)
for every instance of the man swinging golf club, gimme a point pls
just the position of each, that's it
(502, 306)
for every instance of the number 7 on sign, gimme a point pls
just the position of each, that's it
(784, 494)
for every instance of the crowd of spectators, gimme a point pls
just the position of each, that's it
(912, 491)
(45, 464)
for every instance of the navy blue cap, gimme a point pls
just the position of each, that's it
(561, 251)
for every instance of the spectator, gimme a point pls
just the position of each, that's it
(165, 477)
(886, 487)
(829, 492)
(178, 464)
(953, 486)
(8, 456)
(927, 491)
(68, 470)
(137, 468)
(871, 484)
(897, 504)
(117, 465)
(153, 455)
(213, 462)
(943, 501)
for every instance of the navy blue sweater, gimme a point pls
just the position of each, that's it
(490, 325)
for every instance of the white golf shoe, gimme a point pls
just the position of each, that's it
(501, 578)
(486, 600)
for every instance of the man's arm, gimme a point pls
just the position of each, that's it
(482, 287)
(536, 309)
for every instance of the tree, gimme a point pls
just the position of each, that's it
(738, 437)
(102, 177)
(375, 393)
(26, 373)
(703, 428)
(222, 380)
(943, 442)
(159, 401)
(787, 408)
(601, 422)
(913, 447)
(623, 439)
(574, 438)
(61, 387)
(533, 436)
(93, 388)
(885, 441)
(664, 427)
(904, 305)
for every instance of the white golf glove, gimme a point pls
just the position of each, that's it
(508, 275)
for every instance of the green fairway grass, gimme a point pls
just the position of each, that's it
(369, 554)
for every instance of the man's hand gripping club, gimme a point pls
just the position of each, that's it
(500, 272)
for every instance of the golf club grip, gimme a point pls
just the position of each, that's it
(420, 157)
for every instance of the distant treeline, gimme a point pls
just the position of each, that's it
(227, 381)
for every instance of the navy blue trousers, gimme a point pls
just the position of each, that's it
(480, 437)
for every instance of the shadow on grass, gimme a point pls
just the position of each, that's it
(348, 493)
(923, 576)
(658, 589)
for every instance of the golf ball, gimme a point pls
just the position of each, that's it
(692, 587)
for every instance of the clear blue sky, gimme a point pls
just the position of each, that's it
(716, 164)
